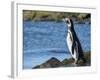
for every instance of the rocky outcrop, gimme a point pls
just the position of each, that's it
(70, 62)
(54, 62)
(51, 63)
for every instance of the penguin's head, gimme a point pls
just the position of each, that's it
(69, 22)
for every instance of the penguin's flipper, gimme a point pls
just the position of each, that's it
(73, 47)
(76, 47)
(73, 42)
(77, 53)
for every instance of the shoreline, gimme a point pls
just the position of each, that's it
(29, 15)
(54, 62)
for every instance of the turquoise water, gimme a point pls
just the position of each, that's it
(45, 39)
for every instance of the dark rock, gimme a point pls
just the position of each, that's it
(70, 62)
(36, 67)
(54, 62)
(51, 63)
(67, 61)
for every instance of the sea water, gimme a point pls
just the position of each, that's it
(45, 39)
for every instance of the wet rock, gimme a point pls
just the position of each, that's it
(54, 62)
(51, 63)
(70, 62)
(67, 61)
(36, 67)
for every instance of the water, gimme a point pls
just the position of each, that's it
(44, 39)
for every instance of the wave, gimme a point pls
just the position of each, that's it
(54, 50)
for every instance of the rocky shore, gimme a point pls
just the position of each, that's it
(29, 15)
(54, 62)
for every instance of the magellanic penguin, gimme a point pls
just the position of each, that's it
(73, 42)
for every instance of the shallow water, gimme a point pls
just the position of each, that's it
(43, 40)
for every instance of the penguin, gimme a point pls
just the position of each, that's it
(73, 42)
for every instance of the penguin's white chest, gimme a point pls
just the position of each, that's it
(69, 42)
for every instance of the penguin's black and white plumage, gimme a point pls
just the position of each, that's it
(73, 42)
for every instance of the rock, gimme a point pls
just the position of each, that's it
(54, 62)
(67, 61)
(70, 62)
(51, 63)
(36, 67)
